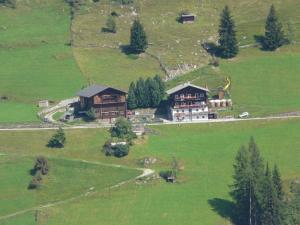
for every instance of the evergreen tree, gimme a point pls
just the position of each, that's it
(228, 42)
(241, 187)
(111, 24)
(281, 216)
(277, 182)
(257, 176)
(274, 36)
(138, 38)
(58, 139)
(154, 92)
(270, 203)
(140, 93)
(131, 99)
(162, 86)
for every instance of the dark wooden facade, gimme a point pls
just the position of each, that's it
(108, 103)
(188, 97)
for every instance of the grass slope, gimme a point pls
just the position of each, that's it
(65, 180)
(207, 152)
(36, 63)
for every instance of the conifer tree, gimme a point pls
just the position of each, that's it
(270, 208)
(154, 92)
(276, 178)
(257, 168)
(242, 183)
(131, 99)
(138, 38)
(274, 36)
(227, 40)
(140, 93)
(161, 85)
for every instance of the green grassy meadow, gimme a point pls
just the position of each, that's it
(36, 61)
(206, 151)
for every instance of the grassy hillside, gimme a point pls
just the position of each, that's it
(207, 152)
(36, 62)
(66, 179)
(172, 42)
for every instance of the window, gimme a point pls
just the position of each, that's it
(182, 96)
(197, 117)
(203, 117)
(197, 110)
(182, 110)
(177, 111)
(189, 95)
(176, 96)
(201, 95)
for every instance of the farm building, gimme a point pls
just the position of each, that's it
(187, 18)
(107, 102)
(188, 102)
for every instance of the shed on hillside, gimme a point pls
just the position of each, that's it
(187, 18)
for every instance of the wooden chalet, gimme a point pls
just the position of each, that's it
(107, 102)
(188, 102)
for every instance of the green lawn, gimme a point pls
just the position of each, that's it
(66, 179)
(265, 83)
(36, 62)
(207, 152)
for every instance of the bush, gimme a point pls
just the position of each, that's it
(122, 130)
(58, 139)
(34, 183)
(41, 165)
(118, 150)
(90, 115)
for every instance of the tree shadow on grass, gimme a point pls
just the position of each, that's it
(260, 39)
(224, 208)
(126, 49)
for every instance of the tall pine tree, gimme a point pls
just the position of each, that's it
(140, 93)
(161, 85)
(274, 36)
(269, 202)
(131, 99)
(228, 42)
(154, 92)
(257, 168)
(241, 187)
(138, 38)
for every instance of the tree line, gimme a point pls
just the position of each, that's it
(146, 93)
(258, 191)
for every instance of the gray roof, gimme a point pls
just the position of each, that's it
(93, 90)
(182, 86)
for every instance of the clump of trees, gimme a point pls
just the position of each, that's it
(58, 139)
(274, 35)
(40, 169)
(257, 191)
(146, 93)
(138, 38)
(228, 46)
(122, 137)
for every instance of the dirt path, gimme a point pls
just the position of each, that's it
(90, 191)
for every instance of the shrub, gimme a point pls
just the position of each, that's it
(122, 130)
(118, 150)
(91, 115)
(34, 183)
(58, 139)
(41, 165)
